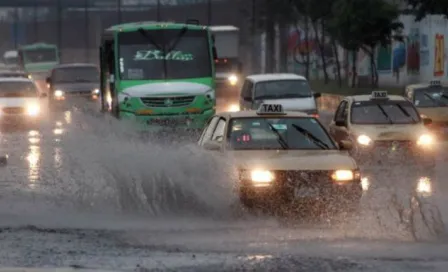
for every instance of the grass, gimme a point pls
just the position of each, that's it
(332, 87)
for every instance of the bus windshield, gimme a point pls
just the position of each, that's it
(40, 55)
(164, 54)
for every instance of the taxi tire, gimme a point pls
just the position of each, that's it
(3, 160)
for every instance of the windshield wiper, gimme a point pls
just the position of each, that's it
(160, 48)
(178, 38)
(280, 139)
(405, 112)
(385, 114)
(437, 102)
(310, 136)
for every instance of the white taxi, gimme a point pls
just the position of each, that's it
(284, 158)
(20, 101)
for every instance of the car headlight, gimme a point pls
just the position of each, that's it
(96, 91)
(261, 176)
(343, 175)
(425, 140)
(210, 94)
(33, 110)
(424, 186)
(364, 140)
(58, 93)
(233, 79)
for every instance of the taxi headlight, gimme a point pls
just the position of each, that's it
(261, 176)
(96, 91)
(363, 140)
(233, 79)
(58, 93)
(33, 110)
(425, 140)
(234, 108)
(424, 186)
(343, 175)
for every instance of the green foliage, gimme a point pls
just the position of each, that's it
(422, 8)
(359, 24)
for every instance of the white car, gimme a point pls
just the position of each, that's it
(289, 90)
(20, 101)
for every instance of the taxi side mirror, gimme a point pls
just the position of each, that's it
(345, 145)
(427, 121)
(212, 145)
(317, 95)
(339, 123)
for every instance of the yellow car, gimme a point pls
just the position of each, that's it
(285, 158)
(386, 131)
(431, 100)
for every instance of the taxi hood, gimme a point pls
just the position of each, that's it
(293, 159)
(437, 114)
(391, 132)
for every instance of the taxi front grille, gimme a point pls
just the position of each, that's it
(303, 177)
(393, 144)
(176, 101)
(14, 110)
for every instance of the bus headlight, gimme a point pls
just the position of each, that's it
(58, 93)
(425, 140)
(33, 110)
(261, 176)
(364, 140)
(210, 94)
(233, 79)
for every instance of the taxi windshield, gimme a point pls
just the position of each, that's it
(278, 89)
(431, 97)
(261, 133)
(383, 112)
(18, 89)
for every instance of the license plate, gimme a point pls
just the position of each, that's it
(306, 192)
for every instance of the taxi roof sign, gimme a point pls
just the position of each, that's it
(379, 95)
(267, 109)
(435, 83)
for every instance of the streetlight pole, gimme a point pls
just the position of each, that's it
(209, 12)
(119, 11)
(87, 29)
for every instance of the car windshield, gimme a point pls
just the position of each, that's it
(431, 97)
(278, 133)
(75, 74)
(18, 89)
(164, 54)
(277, 89)
(40, 55)
(383, 112)
(11, 60)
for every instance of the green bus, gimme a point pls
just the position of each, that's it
(159, 73)
(37, 59)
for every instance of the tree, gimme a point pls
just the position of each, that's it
(364, 25)
(422, 8)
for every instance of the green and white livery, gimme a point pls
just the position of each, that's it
(38, 58)
(159, 74)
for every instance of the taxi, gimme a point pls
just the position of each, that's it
(431, 100)
(386, 130)
(285, 158)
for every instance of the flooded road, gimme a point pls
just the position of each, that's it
(82, 191)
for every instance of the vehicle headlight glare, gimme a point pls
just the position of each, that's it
(234, 108)
(364, 140)
(233, 79)
(262, 176)
(425, 140)
(342, 175)
(424, 185)
(33, 110)
(96, 91)
(58, 93)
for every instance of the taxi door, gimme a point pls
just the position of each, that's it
(246, 101)
(339, 125)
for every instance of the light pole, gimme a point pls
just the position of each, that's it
(209, 12)
(158, 11)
